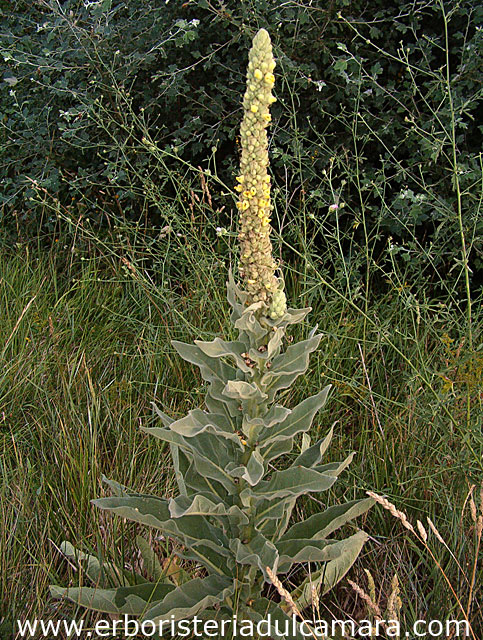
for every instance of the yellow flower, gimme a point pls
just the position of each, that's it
(257, 266)
(240, 179)
(238, 187)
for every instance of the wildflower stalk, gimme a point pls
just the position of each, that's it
(233, 512)
(257, 266)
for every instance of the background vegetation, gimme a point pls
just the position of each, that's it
(118, 153)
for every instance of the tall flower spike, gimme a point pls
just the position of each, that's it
(257, 266)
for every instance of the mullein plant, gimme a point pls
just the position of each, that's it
(232, 516)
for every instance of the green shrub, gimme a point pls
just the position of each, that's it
(367, 117)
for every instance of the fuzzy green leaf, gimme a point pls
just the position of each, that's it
(177, 464)
(216, 402)
(335, 468)
(165, 419)
(151, 562)
(287, 366)
(210, 368)
(236, 297)
(252, 427)
(101, 573)
(198, 421)
(291, 316)
(321, 525)
(197, 483)
(271, 349)
(134, 600)
(276, 449)
(249, 322)
(296, 358)
(205, 505)
(305, 550)
(254, 469)
(209, 454)
(241, 390)
(191, 531)
(190, 598)
(219, 348)
(258, 552)
(311, 456)
(332, 572)
(290, 483)
(299, 419)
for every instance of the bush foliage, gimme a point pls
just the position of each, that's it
(107, 104)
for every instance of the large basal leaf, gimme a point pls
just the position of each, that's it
(332, 572)
(190, 598)
(291, 483)
(134, 600)
(321, 525)
(191, 531)
(101, 573)
(299, 419)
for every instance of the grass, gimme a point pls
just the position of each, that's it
(85, 347)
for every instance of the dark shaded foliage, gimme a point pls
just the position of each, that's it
(362, 83)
